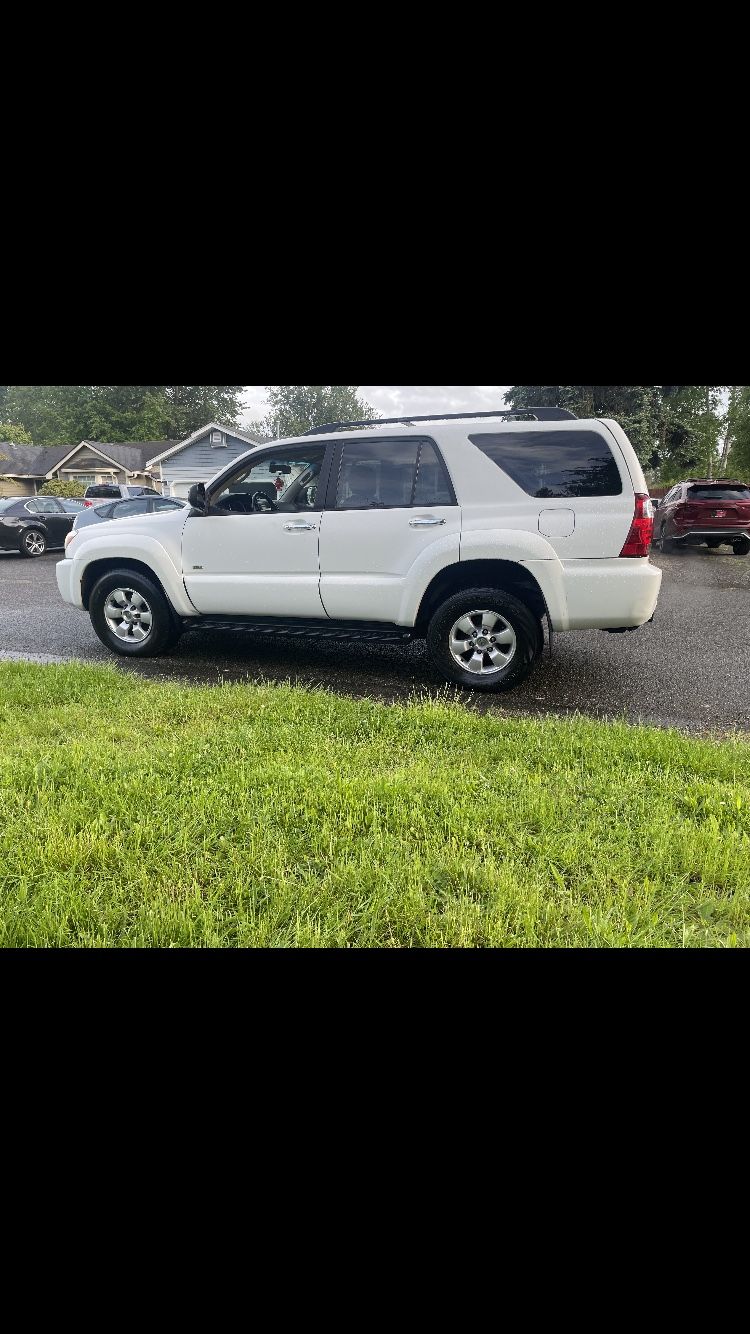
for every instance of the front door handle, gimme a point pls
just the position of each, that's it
(300, 527)
(426, 523)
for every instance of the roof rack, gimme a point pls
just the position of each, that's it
(536, 414)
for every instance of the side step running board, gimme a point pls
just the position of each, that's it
(372, 632)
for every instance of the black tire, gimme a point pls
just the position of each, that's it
(525, 631)
(742, 548)
(37, 539)
(666, 545)
(164, 629)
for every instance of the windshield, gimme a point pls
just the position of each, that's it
(10, 500)
(719, 493)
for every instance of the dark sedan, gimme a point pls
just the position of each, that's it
(32, 524)
(126, 509)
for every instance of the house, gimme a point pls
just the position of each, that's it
(24, 469)
(197, 459)
(171, 466)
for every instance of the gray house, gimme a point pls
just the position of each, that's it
(198, 458)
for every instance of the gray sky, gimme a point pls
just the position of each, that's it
(392, 400)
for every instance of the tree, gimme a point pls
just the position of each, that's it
(296, 408)
(71, 490)
(736, 448)
(674, 429)
(15, 434)
(66, 414)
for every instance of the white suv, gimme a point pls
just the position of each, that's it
(466, 531)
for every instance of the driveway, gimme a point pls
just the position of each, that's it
(689, 669)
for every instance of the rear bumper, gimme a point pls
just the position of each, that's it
(703, 530)
(612, 594)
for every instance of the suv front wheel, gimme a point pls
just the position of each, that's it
(485, 639)
(131, 615)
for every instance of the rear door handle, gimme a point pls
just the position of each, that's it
(300, 527)
(426, 523)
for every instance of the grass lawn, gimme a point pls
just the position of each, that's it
(141, 814)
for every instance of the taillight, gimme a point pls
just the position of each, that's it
(88, 504)
(642, 528)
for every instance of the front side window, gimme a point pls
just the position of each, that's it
(159, 505)
(391, 474)
(285, 481)
(553, 465)
(44, 505)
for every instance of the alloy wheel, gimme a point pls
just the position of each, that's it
(128, 615)
(482, 642)
(34, 543)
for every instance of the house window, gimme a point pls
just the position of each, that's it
(217, 439)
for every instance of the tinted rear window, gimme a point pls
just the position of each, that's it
(554, 464)
(718, 493)
(104, 491)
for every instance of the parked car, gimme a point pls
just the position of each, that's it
(113, 491)
(698, 510)
(31, 524)
(468, 532)
(124, 509)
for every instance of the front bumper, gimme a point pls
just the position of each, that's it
(70, 589)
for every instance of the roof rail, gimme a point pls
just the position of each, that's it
(536, 414)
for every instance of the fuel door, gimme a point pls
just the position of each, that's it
(557, 523)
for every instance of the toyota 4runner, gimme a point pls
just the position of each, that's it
(465, 531)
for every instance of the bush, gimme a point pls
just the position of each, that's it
(71, 490)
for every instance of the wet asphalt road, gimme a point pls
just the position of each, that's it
(688, 670)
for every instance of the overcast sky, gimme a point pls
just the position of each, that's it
(393, 400)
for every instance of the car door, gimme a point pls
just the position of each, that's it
(56, 522)
(250, 554)
(390, 505)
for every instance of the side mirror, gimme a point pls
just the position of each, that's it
(197, 498)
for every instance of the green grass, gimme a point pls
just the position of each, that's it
(140, 814)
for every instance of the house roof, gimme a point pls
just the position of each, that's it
(183, 444)
(41, 460)
(30, 460)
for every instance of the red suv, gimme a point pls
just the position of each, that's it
(702, 510)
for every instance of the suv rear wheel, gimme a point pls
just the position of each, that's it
(485, 639)
(742, 548)
(131, 615)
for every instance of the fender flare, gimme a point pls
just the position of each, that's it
(134, 546)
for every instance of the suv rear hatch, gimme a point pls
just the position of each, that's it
(717, 506)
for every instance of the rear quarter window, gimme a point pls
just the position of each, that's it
(551, 465)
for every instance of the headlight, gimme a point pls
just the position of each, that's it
(69, 538)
